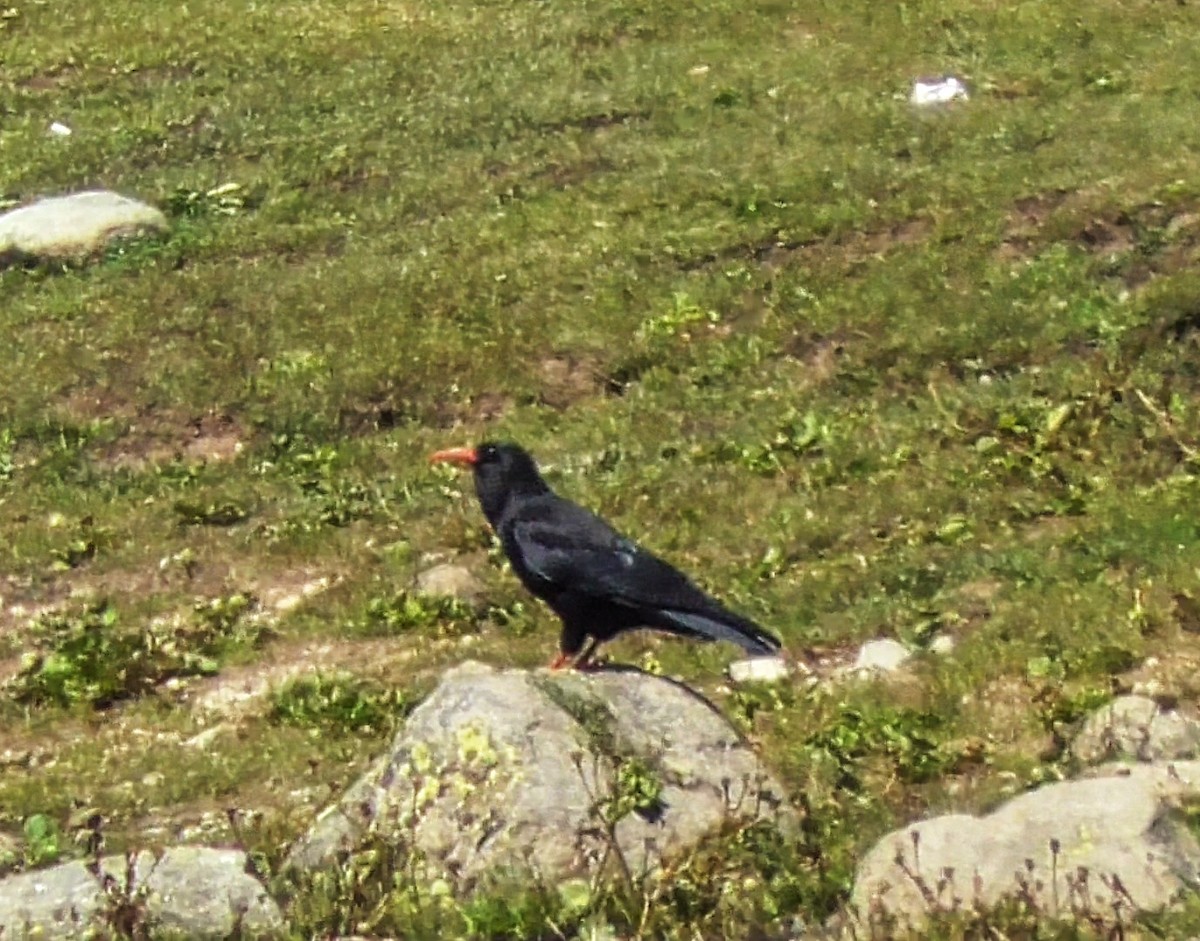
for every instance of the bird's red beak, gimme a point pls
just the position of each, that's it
(465, 456)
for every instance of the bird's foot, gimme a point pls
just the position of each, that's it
(583, 663)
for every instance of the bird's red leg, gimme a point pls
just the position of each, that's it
(578, 661)
(584, 662)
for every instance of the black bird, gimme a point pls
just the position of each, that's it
(597, 581)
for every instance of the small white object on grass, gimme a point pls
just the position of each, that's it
(759, 670)
(881, 656)
(938, 91)
(58, 129)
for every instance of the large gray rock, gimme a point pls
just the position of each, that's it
(1135, 727)
(65, 228)
(518, 772)
(191, 891)
(1113, 845)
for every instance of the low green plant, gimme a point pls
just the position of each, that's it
(211, 512)
(43, 840)
(7, 454)
(404, 612)
(636, 789)
(913, 743)
(90, 657)
(339, 703)
(227, 199)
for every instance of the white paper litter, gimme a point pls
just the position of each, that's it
(938, 91)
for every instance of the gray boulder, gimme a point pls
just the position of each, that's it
(191, 891)
(1136, 727)
(1109, 846)
(545, 775)
(66, 228)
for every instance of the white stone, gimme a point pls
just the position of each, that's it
(881, 656)
(942, 645)
(759, 670)
(68, 227)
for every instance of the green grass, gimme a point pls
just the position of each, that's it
(864, 371)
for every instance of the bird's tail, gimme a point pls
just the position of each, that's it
(720, 625)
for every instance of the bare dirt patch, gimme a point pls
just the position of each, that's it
(156, 439)
(170, 73)
(594, 122)
(276, 595)
(148, 436)
(394, 406)
(824, 354)
(484, 407)
(1172, 673)
(907, 232)
(1149, 239)
(51, 79)
(1006, 713)
(1061, 215)
(242, 690)
(566, 379)
(24, 601)
(562, 176)
(849, 249)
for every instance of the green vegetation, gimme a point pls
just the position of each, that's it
(339, 704)
(864, 370)
(89, 658)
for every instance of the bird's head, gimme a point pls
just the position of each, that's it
(501, 470)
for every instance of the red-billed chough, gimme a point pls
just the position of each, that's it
(597, 581)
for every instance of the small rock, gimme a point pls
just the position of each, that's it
(1136, 727)
(450, 581)
(205, 738)
(942, 645)
(191, 891)
(15, 758)
(881, 656)
(72, 227)
(759, 670)
(283, 599)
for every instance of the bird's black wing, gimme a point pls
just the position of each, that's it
(566, 547)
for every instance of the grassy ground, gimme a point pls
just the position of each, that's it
(864, 371)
